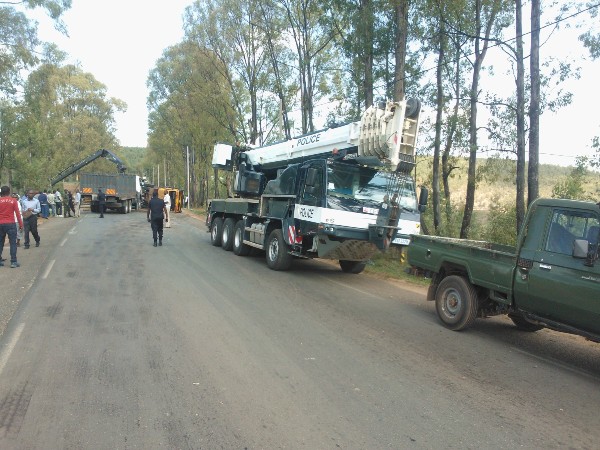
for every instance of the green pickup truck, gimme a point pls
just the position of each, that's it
(551, 279)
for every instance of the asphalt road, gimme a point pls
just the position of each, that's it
(115, 344)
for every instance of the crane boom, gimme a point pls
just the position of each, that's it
(102, 153)
(386, 132)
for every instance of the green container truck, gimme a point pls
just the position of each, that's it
(550, 279)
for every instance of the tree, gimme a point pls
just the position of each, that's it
(486, 13)
(65, 115)
(230, 31)
(190, 108)
(534, 105)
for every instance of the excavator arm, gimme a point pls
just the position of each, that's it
(102, 153)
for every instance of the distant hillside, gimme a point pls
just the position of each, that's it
(133, 157)
(496, 179)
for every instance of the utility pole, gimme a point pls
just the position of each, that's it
(187, 178)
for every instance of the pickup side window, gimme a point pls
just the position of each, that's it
(566, 226)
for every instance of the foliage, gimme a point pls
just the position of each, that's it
(500, 223)
(572, 186)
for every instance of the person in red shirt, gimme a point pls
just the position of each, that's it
(9, 209)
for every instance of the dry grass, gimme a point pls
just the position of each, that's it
(497, 181)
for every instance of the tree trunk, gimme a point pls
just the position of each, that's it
(368, 20)
(401, 39)
(534, 105)
(520, 200)
(474, 95)
(438, 129)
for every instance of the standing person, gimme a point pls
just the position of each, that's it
(51, 203)
(77, 201)
(9, 209)
(66, 211)
(101, 202)
(71, 205)
(43, 199)
(157, 212)
(167, 200)
(18, 220)
(31, 208)
(58, 201)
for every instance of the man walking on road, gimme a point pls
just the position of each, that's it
(101, 202)
(31, 208)
(157, 212)
(9, 209)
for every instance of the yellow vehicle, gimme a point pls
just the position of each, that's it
(175, 194)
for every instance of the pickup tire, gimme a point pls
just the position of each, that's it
(277, 255)
(352, 266)
(227, 236)
(523, 324)
(239, 248)
(456, 302)
(216, 231)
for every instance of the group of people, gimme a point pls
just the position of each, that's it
(19, 216)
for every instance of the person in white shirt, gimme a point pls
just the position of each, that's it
(167, 200)
(51, 203)
(77, 200)
(58, 201)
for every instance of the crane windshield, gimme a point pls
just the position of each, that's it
(368, 185)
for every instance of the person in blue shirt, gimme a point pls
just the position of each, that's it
(30, 208)
(43, 199)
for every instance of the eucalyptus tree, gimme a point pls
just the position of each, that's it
(445, 94)
(315, 53)
(591, 40)
(64, 116)
(231, 31)
(190, 108)
(490, 19)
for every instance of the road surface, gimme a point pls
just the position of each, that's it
(117, 344)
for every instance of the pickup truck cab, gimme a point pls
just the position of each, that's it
(550, 279)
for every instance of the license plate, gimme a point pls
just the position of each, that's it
(401, 241)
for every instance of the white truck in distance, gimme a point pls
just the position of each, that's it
(337, 193)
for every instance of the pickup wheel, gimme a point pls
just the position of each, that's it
(239, 248)
(456, 302)
(352, 266)
(278, 257)
(227, 237)
(523, 324)
(216, 231)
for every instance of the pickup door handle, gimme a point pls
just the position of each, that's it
(545, 266)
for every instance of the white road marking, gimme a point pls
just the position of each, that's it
(7, 351)
(48, 269)
(63, 242)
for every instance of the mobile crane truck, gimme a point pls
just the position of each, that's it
(333, 194)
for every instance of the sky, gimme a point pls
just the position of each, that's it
(119, 42)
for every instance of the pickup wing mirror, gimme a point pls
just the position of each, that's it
(424, 194)
(580, 248)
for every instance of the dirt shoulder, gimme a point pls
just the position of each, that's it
(17, 282)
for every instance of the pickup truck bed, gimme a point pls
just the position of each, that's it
(487, 264)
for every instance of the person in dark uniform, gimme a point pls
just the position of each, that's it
(101, 202)
(157, 212)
